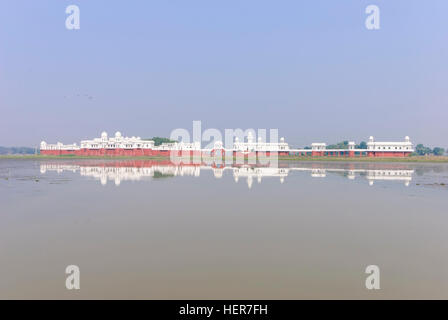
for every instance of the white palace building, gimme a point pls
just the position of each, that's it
(119, 145)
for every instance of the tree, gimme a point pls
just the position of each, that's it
(362, 145)
(340, 145)
(438, 151)
(421, 150)
(158, 140)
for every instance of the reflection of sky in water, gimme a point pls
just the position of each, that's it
(192, 232)
(119, 171)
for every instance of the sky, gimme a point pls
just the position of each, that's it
(310, 69)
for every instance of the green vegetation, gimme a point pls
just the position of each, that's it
(421, 150)
(437, 151)
(159, 140)
(340, 145)
(362, 145)
(344, 145)
(158, 175)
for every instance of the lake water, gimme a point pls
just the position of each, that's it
(152, 230)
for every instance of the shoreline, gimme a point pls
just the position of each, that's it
(426, 159)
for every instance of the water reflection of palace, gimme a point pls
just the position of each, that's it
(136, 170)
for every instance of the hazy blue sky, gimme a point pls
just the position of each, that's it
(309, 68)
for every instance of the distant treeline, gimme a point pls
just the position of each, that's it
(344, 145)
(17, 150)
(421, 150)
(159, 140)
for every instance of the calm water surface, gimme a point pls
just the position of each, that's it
(144, 229)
